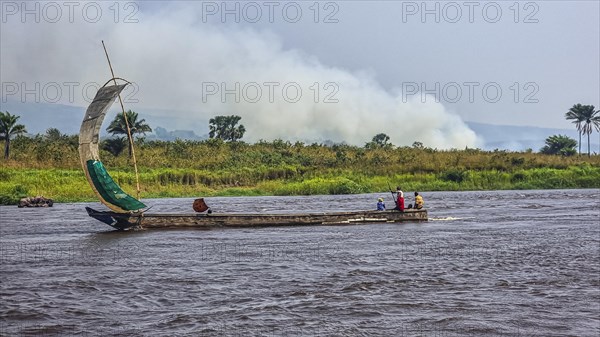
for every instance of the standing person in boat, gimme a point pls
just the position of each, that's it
(419, 201)
(400, 199)
(380, 205)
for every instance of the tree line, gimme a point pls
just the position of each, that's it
(220, 127)
(228, 129)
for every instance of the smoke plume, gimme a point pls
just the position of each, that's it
(183, 67)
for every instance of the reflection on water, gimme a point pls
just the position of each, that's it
(503, 263)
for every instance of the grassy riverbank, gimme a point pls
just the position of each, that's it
(68, 185)
(209, 168)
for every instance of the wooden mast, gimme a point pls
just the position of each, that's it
(137, 178)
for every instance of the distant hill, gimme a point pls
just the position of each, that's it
(38, 117)
(519, 138)
(160, 133)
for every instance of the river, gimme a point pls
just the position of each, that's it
(495, 263)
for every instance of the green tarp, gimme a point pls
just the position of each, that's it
(109, 190)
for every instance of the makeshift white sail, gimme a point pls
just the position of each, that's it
(107, 190)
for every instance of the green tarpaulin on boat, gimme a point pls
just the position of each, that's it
(108, 188)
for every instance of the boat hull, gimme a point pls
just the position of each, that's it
(240, 220)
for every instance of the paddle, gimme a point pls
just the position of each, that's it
(393, 197)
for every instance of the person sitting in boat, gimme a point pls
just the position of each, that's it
(380, 205)
(419, 201)
(400, 199)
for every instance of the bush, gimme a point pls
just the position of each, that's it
(454, 176)
(518, 177)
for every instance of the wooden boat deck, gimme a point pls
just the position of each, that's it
(203, 220)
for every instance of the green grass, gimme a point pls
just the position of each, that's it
(70, 185)
(38, 166)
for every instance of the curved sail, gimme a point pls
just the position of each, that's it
(107, 190)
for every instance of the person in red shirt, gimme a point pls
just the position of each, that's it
(400, 199)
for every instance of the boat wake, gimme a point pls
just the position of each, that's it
(450, 218)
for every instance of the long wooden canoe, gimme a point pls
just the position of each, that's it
(128, 212)
(204, 220)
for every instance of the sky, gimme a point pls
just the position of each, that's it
(313, 71)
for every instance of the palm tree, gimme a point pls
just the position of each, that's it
(590, 118)
(575, 114)
(596, 122)
(9, 128)
(119, 127)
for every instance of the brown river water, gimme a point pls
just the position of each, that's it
(496, 263)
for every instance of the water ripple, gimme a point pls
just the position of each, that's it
(485, 265)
